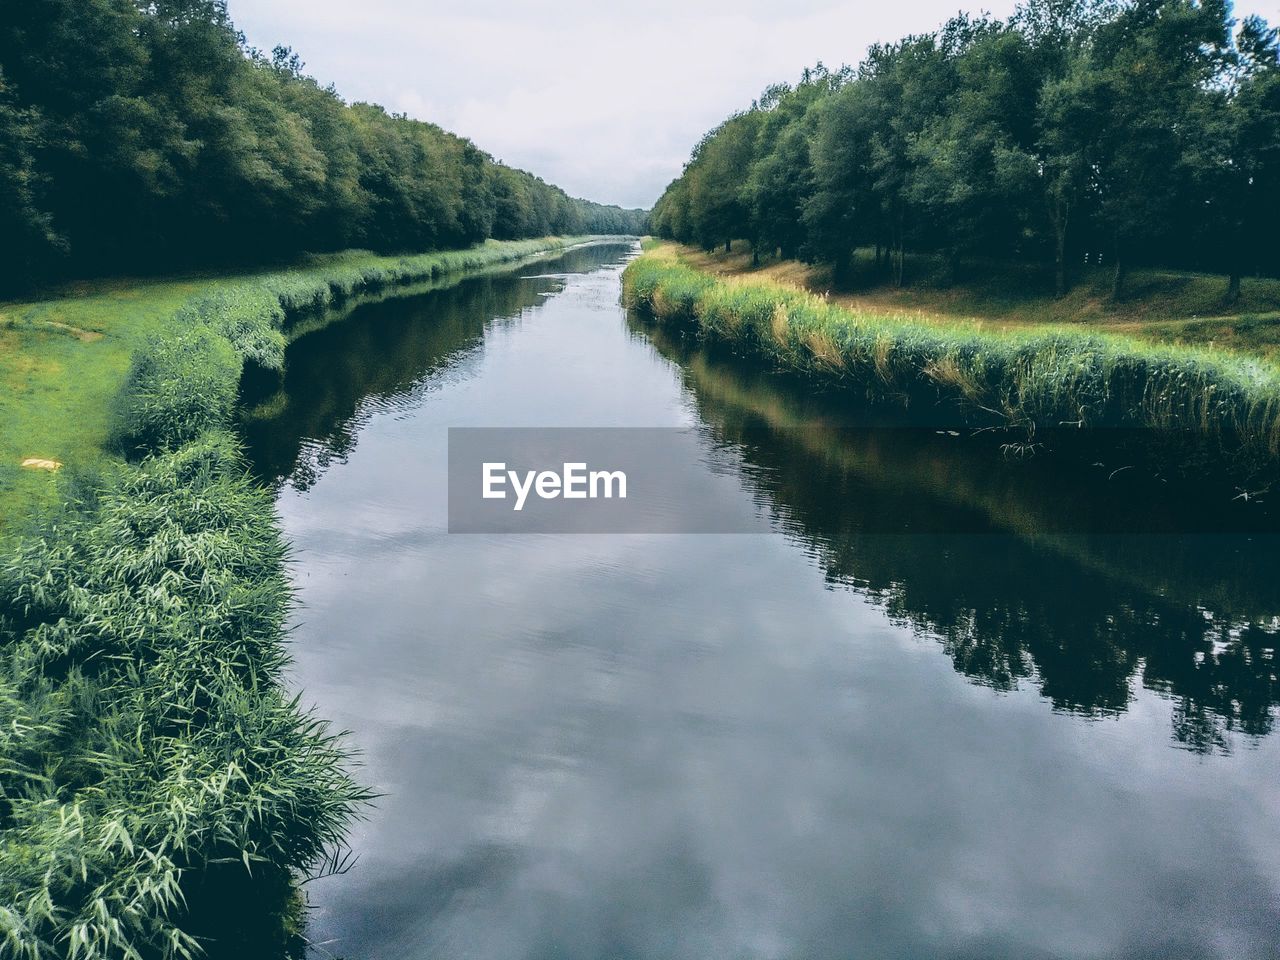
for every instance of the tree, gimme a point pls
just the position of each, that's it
(27, 237)
(1152, 63)
(1236, 152)
(781, 179)
(974, 169)
(1137, 125)
(139, 136)
(718, 210)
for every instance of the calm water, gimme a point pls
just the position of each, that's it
(983, 727)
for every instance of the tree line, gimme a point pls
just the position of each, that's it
(138, 135)
(1115, 131)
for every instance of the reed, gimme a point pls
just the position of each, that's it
(1028, 378)
(148, 736)
(183, 380)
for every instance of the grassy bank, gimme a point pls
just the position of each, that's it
(1162, 306)
(1189, 615)
(64, 359)
(1054, 506)
(159, 784)
(1032, 378)
(160, 792)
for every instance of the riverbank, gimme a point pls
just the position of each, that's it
(1032, 378)
(161, 787)
(916, 478)
(1163, 306)
(65, 359)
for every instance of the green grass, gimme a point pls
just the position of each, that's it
(1032, 377)
(1163, 306)
(57, 391)
(147, 736)
(65, 359)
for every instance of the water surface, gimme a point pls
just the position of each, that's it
(969, 730)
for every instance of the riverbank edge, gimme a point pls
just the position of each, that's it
(1030, 380)
(153, 603)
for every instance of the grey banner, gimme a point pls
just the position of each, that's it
(595, 480)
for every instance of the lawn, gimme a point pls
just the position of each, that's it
(62, 362)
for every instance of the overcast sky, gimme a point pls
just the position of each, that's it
(602, 98)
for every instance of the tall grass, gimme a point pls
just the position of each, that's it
(146, 731)
(1031, 379)
(183, 380)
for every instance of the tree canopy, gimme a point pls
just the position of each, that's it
(138, 135)
(1124, 130)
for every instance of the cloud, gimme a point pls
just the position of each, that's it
(604, 99)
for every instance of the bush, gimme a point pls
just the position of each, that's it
(181, 385)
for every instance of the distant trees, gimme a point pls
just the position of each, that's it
(143, 134)
(1137, 130)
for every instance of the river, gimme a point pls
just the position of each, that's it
(940, 709)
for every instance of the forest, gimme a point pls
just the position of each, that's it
(140, 137)
(1075, 133)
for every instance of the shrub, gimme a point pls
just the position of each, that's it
(181, 385)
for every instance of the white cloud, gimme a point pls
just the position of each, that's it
(604, 99)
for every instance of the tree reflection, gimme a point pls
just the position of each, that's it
(381, 355)
(1009, 566)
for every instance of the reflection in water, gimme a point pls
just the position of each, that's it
(387, 355)
(1194, 617)
(710, 746)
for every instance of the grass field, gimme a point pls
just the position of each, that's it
(62, 362)
(65, 357)
(1160, 305)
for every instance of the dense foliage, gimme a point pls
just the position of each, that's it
(142, 134)
(1114, 131)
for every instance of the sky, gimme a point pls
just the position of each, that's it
(604, 99)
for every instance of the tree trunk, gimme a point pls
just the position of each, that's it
(901, 256)
(728, 244)
(1122, 271)
(1060, 258)
(1233, 287)
(1060, 214)
(950, 266)
(755, 255)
